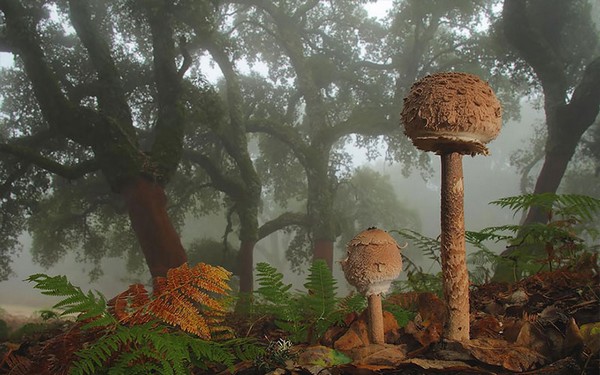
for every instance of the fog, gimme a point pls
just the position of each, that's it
(486, 178)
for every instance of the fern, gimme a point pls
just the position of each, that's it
(565, 205)
(321, 287)
(305, 317)
(90, 307)
(320, 300)
(136, 332)
(428, 246)
(276, 294)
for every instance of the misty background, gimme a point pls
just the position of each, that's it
(486, 178)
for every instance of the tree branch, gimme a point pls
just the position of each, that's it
(111, 98)
(285, 134)
(535, 49)
(14, 176)
(585, 102)
(5, 45)
(57, 110)
(70, 172)
(228, 185)
(168, 145)
(284, 220)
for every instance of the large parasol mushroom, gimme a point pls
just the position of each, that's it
(452, 114)
(373, 262)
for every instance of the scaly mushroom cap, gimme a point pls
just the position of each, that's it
(451, 112)
(373, 261)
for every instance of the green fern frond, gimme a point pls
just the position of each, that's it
(427, 245)
(321, 286)
(353, 302)
(566, 205)
(89, 306)
(271, 286)
(131, 349)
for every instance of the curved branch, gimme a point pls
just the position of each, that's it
(369, 121)
(284, 220)
(61, 115)
(5, 45)
(70, 172)
(226, 184)
(285, 134)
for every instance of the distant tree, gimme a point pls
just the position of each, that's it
(99, 92)
(346, 74)
(560, 44)
(367, 199)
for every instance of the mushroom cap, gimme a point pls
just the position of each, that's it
(373, 261)
(451, 112)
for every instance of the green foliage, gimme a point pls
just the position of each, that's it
(570, 233)
(149, 347)
(304, 316)
(581, 207)
(139, 348)
(559, 243)
(90, 307)
(430, 247)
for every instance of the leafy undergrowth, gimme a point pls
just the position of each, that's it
(544, 324)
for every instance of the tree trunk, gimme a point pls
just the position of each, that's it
(246, 266)
(548, 181)
(323, 249)
(453, 251)
(147, 206)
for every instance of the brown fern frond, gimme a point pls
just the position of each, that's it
(184, 298)
(15, 364)
(129, 306)
(187, 298)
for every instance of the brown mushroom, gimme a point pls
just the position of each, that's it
(373, 262)
(452, 114)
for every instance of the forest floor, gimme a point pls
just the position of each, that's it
(548, 323)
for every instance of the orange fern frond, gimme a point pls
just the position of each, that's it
(187, 297)
(127, 305)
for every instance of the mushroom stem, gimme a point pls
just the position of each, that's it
(375, 319)
(453, 252)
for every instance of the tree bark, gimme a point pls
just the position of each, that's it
(323, 249)
(246, 266)
(453, 251)
(147, 206)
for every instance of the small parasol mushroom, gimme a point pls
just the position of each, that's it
(373, 262)
(452, 114)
